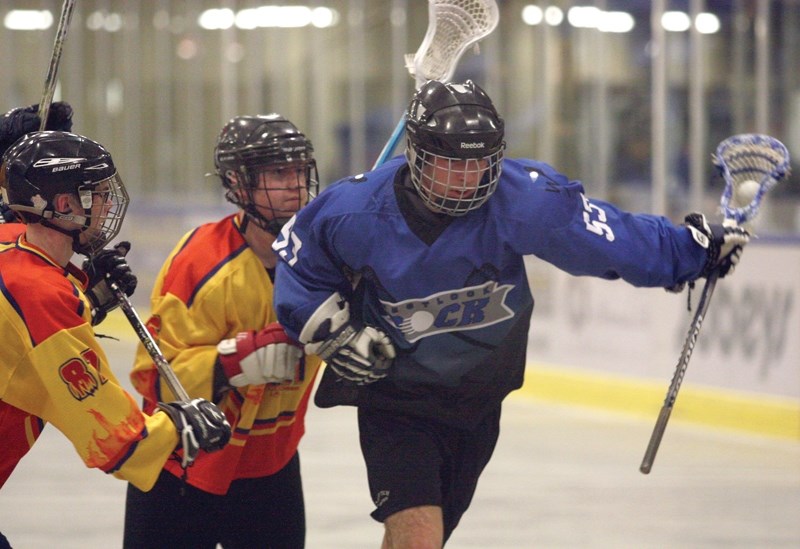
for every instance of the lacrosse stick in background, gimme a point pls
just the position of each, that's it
(751, 164)
(55, 60)
(453, 26)
(164, 369)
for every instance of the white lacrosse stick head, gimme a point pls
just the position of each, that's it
(453, 26)
(750, 164)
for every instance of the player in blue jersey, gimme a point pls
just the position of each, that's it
(409, 281)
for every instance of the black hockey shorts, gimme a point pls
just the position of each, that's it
(413, 461)
(256, 512)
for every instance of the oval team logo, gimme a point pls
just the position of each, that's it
(451, 311)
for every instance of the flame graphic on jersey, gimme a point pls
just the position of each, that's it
(103, 449)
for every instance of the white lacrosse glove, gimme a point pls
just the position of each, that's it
(256, 358)
(362, 356)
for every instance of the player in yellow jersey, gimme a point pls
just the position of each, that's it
(212, 316)
(65, 189)
(109, 263)
(18, 428)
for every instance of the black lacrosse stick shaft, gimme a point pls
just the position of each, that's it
(680, 371)
(55, 60)
(162, 365)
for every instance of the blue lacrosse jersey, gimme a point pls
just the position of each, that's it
(457, 305)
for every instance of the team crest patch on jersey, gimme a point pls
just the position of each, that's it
(450, 311)
(79, 379)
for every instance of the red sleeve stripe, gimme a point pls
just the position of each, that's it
(15, 306)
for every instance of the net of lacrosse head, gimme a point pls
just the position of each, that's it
(751, 164)
(453, 26)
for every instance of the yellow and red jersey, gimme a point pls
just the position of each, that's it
(211, 287)
(53, 370)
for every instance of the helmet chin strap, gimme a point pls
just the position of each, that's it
(245, 222)
(74, 234)
(272, 226)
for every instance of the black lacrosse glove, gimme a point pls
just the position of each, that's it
(201, 426)
(17, 122)
(108, 265)
(7, 215)
(724, 243)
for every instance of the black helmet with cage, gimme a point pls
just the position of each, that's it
(251, 146)
(454, 126)
(43, 165)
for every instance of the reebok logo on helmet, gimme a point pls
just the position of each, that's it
(478, 145)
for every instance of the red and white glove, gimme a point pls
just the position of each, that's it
(256, 358)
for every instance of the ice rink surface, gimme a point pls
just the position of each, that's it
(561, 477)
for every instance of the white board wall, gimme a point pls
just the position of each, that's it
(749, 340)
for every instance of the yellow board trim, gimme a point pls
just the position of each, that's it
(757, 414)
